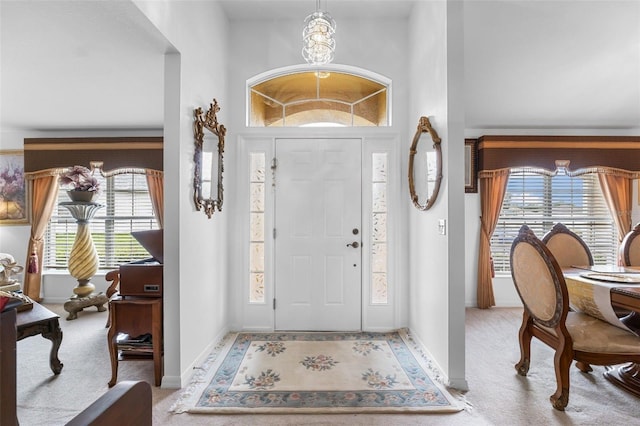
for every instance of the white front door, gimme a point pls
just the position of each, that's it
(318, 234)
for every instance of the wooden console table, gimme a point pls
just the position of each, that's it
(135, 316)
(40, 320)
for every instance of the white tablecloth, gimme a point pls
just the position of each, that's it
(593, 297)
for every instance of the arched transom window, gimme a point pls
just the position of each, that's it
(318, 98)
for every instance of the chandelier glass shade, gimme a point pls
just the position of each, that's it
(318, 37)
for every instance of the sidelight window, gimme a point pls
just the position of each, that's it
(256, 226)
(379, 216)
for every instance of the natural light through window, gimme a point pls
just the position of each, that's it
(256, 226)
(379, 246)
(539, 200)
(312, 98)
(127, 208)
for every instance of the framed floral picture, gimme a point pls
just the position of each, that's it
(13, 193)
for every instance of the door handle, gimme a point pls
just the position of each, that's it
(354, 244)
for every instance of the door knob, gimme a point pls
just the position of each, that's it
(354, 244)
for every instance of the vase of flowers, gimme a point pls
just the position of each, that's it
(82, 185)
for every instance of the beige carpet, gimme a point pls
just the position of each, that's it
(497, 395)
(317, 373)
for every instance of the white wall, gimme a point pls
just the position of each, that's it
(436, 277)
(258, 46)
(195, 280)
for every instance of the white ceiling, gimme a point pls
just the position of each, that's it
(79, 65)
(528, 64)
(299, 9)
(553, 65)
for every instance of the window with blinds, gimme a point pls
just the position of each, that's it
(540, 201)
(127, 208)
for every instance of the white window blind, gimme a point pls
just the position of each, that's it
(127, 208)
(540, 201)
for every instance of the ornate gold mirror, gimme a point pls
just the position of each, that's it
(425, 166)
(208, 156)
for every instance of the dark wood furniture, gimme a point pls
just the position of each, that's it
(627, 376)
(541, 286)
(630, 247)
(41, 320)
(135, 307)
(126, 404)
(623, 299)
(135, 316)
(8, 414)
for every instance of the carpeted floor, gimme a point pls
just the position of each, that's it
(497, 395)
(316, 373)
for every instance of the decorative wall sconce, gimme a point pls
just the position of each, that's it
(208, 158)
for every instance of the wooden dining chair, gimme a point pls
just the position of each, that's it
(630, 247)
(567, 247)
(572, 335)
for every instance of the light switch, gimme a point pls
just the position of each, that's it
(442, 226)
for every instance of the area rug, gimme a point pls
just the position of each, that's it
(316, 373)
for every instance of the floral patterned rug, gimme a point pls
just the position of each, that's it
(318, 373)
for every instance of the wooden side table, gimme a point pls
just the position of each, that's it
(135, 317)
(40, 320)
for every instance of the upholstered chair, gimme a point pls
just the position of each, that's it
(630, 248)
(567, 247)
(572, 335)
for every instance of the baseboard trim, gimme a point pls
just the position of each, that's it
(175, 382)
(440, 375)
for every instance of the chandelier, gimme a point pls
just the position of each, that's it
(318, 43)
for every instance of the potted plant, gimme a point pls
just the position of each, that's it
(83, 186)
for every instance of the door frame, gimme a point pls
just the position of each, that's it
(244, 315)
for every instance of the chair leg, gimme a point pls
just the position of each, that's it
(522, 367)
(562, 363)
(584, 367)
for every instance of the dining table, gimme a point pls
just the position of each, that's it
(612, 294)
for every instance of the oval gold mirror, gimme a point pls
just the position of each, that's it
(425, 166)
(208, 156)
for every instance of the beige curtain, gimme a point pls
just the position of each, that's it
(617, 191)
(43, 190)
(155, 182)
(493, 184)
